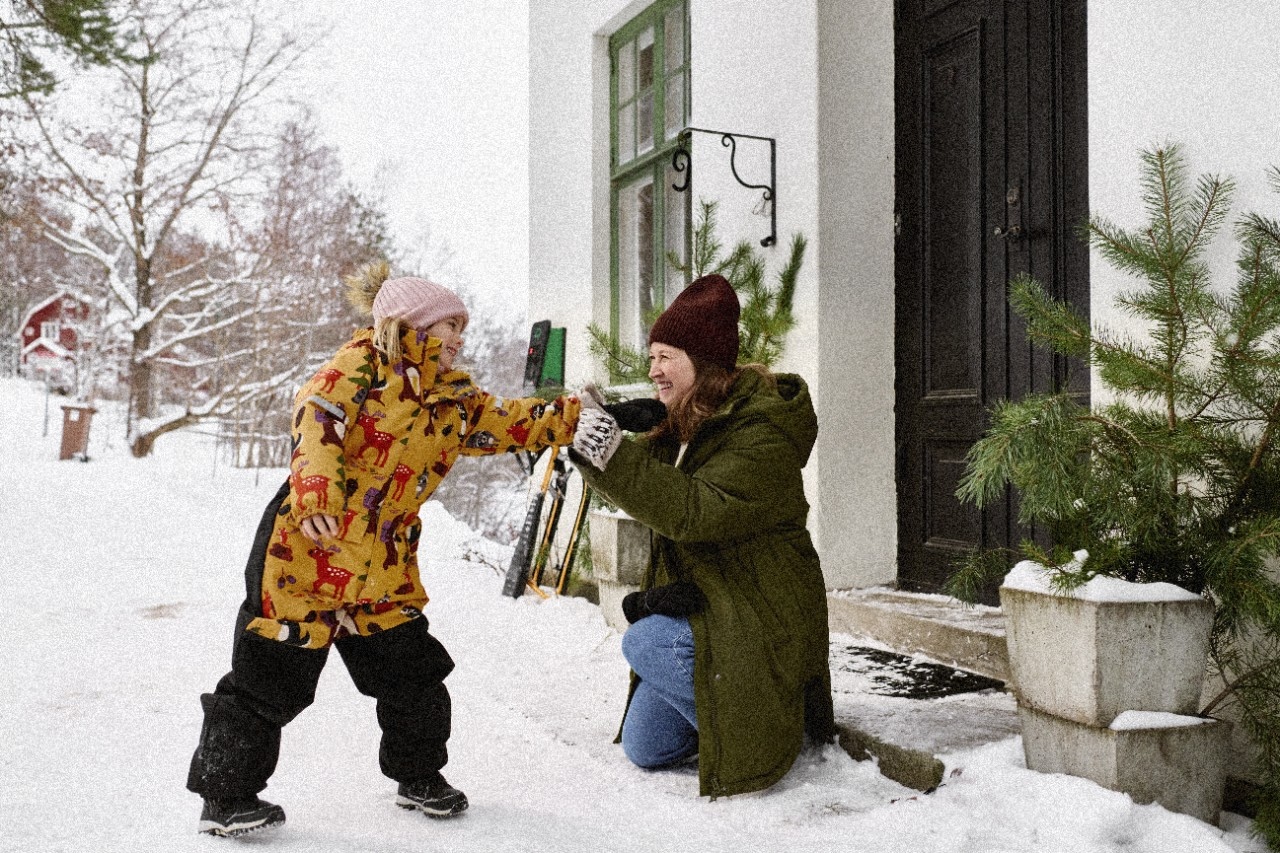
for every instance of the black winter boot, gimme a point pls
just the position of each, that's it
(239, 816)
(434, 797)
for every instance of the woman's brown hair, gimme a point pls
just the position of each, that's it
(711, 386)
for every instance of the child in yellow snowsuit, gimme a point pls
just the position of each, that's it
(334, 559)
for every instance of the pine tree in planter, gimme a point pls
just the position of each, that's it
(1176, 477)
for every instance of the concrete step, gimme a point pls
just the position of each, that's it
(968, 637)
(909, 733)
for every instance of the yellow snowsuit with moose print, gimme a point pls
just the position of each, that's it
(371, 441)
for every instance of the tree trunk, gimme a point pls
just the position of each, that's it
(143, 444)
(140, 385)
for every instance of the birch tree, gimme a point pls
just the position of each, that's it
(150, 157)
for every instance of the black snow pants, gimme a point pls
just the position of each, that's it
(271, 682)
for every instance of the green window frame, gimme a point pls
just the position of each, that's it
(649, 106)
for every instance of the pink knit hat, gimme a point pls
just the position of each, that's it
(418, 302)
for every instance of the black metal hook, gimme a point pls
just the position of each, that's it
(682, 161)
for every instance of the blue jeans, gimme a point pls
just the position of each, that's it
(661, 725)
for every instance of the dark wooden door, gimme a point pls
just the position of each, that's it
(991, 181)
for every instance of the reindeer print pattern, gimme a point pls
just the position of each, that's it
(371, 442)
(331, 428)
(281, 550)
(373, 437)
(482, 440)
(328, 378)
(327, 574)
(388, 539)
(410, 387)
(402, 475)
(519, 432)
(316, 484)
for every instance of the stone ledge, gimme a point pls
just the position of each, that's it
(971, 638)
(609, 595)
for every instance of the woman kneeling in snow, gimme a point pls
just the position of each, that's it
(728, 637)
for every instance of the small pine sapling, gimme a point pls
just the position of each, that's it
(1175, 475)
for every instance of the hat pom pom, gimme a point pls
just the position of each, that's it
(363, 286)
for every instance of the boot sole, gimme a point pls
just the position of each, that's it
(241, 829)
(440, 811)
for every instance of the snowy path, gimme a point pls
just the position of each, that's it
(126, 577)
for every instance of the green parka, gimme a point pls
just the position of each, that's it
(731, 518)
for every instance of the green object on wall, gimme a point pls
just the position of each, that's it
(553, 365)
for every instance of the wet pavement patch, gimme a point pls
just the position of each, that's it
(893, 674)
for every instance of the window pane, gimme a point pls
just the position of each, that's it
(627, 133)
(627, 72)
(644, 120)
(635, 261)
(644, 45)
(674, 35)
(644, 261)
(674, 106)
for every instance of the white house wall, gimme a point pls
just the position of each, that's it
(1200, 74)
(857, 495)
(562, 124)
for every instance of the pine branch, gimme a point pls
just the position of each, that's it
(706, 248)
(623, 363)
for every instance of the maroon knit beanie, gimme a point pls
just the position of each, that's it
(702, 321)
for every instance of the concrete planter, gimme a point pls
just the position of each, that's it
(619, 559)
(1088, 658)
(1178, 762)
(1137, 652)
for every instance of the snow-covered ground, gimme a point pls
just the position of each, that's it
(126, 576)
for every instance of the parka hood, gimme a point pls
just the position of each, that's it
(789, 408)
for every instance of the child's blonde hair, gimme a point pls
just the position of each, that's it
(362, 289)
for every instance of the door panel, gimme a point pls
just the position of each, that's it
(991, 178)
(952, 236)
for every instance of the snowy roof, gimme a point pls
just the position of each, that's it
(54, 348)
(40, 306)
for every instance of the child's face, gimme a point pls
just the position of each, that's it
(449, 331)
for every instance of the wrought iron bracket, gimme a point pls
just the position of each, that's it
(682, 161)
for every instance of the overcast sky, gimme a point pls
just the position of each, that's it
(427, 103)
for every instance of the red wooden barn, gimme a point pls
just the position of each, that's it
(49, 339)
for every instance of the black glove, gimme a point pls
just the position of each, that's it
(639, 415)
(681, 598)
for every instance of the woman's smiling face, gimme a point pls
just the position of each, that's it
(449, 331)
(672, 371)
